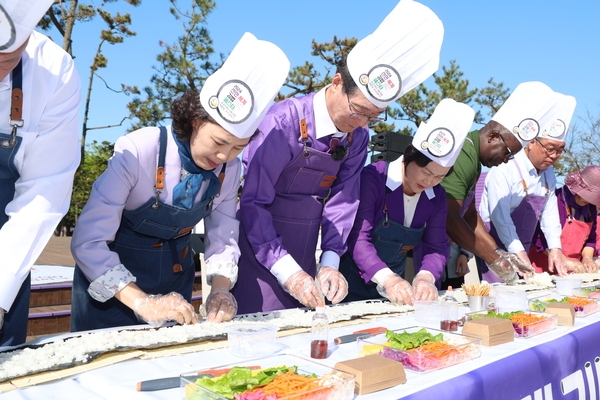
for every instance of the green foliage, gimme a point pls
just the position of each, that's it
(92, 166)
(181, 66)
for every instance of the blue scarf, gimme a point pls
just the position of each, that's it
(185, 192)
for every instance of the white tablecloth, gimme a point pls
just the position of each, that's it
(119, 380)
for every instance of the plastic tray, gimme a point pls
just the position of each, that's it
(540, 303)
(336, 384)
(592, 292)
(464, 348)
(547, 323)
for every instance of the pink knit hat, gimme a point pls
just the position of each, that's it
(586, 184)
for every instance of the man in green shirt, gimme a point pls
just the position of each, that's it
(489, 146)
(497, 142)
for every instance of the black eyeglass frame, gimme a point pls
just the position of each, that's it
(550, 152)
(368, 117)
(509, 154)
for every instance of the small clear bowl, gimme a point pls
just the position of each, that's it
(251, 340)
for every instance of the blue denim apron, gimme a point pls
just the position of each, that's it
(153, 243)
(14, 330)
(303, 185)
(392, 240)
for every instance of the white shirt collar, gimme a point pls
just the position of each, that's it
(523, 160)
(323, 123)
(395, 173)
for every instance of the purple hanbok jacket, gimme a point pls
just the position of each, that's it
(431, 254)
(266, 156)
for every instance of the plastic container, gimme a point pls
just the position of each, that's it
(566, 286)
(462, 348)
(336, 384)
(546, 323)
(251, 340)
(509, 299)
(581, 310)
(427, 311)
(319, 334)
(449, 312)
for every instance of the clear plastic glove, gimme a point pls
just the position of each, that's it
(220, 306)
(556, 262)
(333, 284)
(503, 268)
(519, 264)
(574, 266)
(396, 289)
(2, 317)
(589, 264)
(303, 288)
(156, 309)
(423, 286)
(524, 257)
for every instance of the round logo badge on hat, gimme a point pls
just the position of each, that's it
(527, 130)
(556, 129)
(439, 143)
(234, 101)
(382, 82)
(7, 30)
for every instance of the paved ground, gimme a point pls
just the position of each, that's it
(57, 252)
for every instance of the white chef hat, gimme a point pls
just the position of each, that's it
(401, 54)
(521, 112)
(441, 138)
(555, 123)
(238, 94)
(18, 18)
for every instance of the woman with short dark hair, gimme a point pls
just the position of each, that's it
(402, 208)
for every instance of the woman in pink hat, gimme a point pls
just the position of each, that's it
(577, 202)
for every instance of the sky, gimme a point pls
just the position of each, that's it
(511, 41)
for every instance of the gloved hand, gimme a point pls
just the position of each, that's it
(424, 286)
(396, 289)
(574, 266)
(2, 317)
(220, 306)
(333, 284)
(503, 268)
(589, 264)
(156, 309)
(524, 257)
(512, 260)
(303, 288)
(556, 261)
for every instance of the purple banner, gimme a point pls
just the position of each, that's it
(567, 368)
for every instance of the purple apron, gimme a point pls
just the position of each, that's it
(525, 218)
(296, 211)
(392, 240)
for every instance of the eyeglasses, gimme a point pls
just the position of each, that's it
(368, 117)
(509, 154)
(550, 152)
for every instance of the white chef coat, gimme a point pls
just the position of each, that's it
(503, 192)
(46, 160)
